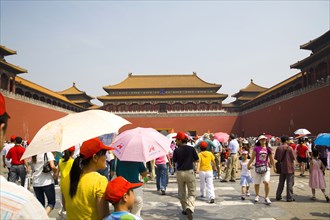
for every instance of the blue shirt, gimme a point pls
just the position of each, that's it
(122, 216)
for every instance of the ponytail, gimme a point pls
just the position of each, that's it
(66, 155)
(75, 174)
(76, 171)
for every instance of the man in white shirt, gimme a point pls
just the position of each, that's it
(5, 150)
(233, 148)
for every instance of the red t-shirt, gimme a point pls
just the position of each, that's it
(15, 154)
(301, 150)
(293, 145)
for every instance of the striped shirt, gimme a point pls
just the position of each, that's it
(18, 203)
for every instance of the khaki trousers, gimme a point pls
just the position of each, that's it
(186, 179)
(231, 167)
(217, 162)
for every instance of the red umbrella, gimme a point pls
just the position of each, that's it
(221, 136)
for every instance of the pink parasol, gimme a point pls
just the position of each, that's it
(141, 145)
(221, 136)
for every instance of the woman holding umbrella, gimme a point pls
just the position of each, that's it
(83, 189)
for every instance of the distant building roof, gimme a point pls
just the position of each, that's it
(11, 67)
(162, 81)
(277, 86)
(4, 51)
(251, 88)
(325, 51)
(162, 97)
(317, 42)
(73, 90)
(43, 90)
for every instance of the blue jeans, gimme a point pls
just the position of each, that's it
(161, 173)
(49, 191)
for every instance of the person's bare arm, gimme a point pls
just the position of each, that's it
(3, 160)
(251, 160)
(54, 169)
(102, 208)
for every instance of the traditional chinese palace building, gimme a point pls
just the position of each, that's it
(184, 102)
(78, 97)
(162, 94)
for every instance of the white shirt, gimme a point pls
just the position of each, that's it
(245, 171)
(233, 146)
(17, 202)
(217, 146)
(5, 151)
(40, 178)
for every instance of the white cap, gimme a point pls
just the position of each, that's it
(262, 137)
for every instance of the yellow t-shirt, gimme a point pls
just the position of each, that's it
(65, 167)
(205, 158)
(83, 205)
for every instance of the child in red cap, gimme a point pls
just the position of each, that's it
(120, 193)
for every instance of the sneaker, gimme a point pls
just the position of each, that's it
(211, 201)
(163, 192)
(184, 212)
(267, 201)
(224, 181)
(232, 181)
(256, 199)
(247, 193)
(202, 196)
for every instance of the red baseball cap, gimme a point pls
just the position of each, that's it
(92, 146)
(12, 138)
(203, 145)
(71, 149)
(117, 188)
(181, 136)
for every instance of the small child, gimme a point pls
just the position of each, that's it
(246, 178)
(316, 176)
(120, 194)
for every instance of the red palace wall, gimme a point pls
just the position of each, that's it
(310, 111)
(26, 119)
(200, 124)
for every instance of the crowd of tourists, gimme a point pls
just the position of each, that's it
(91, 177)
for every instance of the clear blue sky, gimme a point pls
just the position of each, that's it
(97, 43)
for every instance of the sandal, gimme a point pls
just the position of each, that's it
(313, 198)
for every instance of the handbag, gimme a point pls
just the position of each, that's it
(278, 164)
(46, 167)
(261, 169)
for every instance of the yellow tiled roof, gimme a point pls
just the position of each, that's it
(41, 89)
(73, 90)
(277, 86)
(325, 51)
(94, 107)
(12, 67)
(324, 38)
(252, 87)
(162, 82)
(146, 97)
(6, 51)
